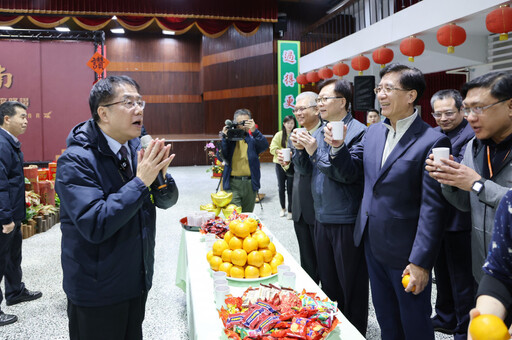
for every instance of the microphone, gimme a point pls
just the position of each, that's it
(228, 123)
(160, 180)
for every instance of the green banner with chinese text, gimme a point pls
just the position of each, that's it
(288, 54)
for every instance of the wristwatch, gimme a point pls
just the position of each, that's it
(477, 187)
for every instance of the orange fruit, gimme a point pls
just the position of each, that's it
(265, 270)
(273, 265)
(488, 327)
(279, 257)
(235, 243)
(219, 246)
(263, 240)
(215, 262)
(237, 272)
(209, 255)
(267, 254)
(250, 244)
(241, 230)
(252, 224)
(257, 232)
(225, 267)
(252, 272)
(239, 257)
(255, 258)
(272, 247)
(227, 236)
(405, 281)
(226, 255)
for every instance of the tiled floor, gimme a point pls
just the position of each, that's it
(166, 311)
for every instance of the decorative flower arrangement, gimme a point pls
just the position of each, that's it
(217, 166)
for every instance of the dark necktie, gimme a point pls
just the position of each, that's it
(125, 164)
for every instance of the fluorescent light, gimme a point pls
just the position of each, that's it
(114, 18)
(62, 29)
(117, 30)
(6, 28)
(168, 32)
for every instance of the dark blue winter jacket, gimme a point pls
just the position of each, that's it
(107, 221)
(12, 180)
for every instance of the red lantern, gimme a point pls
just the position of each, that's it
(451, 35)
(325, 73)
(360, 63)
(312, 77)
(341, 69)
(412, 47)
(382, 56)
(302, 80)
(500, 21)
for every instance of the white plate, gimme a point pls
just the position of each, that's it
(258, 279)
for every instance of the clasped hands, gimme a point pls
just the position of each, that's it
(303, 140)
(155, 158)
(449, 172)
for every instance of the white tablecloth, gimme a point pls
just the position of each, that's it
(193, 276)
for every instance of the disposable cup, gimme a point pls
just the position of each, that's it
(440, 153)
(219, 282)
(220, 293)
(288, 280)
(286, 154)
(337, 130)
(299, 130)
(219, 275)
(281, 269)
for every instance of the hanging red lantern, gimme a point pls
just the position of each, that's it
(313, 77)
(382, 56)
(360, 63)
(325, 73)
(302, 80)
(451, 35)
(341, 69)
(500, 21)
(412, 47)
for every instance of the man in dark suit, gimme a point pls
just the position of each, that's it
(303, 211)
(454, 278)
(401, 214)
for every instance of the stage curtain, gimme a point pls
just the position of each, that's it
(47, 22)
(92, 24)
(8, 20)
(178, 25)
(247, 28)
(134, 23)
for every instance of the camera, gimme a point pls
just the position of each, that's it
(235, 130)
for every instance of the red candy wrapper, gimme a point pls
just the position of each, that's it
(298, 326)
(253, 317)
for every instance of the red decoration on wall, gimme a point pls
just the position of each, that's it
(302, 80)
(341, 69)
(412, 47)
(360, 63)
(450, 36)
(500, 21)
(313, 77)
(382, 56)
(98, 63)
(325, 73)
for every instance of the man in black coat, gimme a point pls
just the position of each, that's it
(13, 122)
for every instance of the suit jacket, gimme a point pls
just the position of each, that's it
(458, 220)
(402, 208)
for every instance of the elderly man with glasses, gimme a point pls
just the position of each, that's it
(483, 177)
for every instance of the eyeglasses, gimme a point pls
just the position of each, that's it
(323, 100)
(478, 110)
(447, 114)
(387, 89)
(300, 109)
(128, 103)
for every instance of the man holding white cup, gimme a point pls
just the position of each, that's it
(336, 200)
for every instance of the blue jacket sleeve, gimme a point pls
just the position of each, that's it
(5, 200)
(261, 142)
(349, 163)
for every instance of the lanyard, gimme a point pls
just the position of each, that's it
(489, 160)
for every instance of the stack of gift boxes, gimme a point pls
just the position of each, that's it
(42, 216)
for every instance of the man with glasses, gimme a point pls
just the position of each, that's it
(341, 266)
(483, 177)
(105, 183)
(454, 278)
(401, 214)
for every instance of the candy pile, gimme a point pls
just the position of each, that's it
(269, 313)
(215, 226)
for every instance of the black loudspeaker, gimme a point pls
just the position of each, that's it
(364, 97)
(281, 26)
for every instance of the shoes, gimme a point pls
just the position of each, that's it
(289, 216)
(282, 212)
(6, 319)
(26, 296)
(441, 327)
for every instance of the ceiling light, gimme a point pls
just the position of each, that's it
(62, 29)
(6, 28)
(168, 32)
(117, 30)
(114, 18)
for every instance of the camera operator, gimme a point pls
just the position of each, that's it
(241, 145)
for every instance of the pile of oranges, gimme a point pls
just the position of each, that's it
(245, 252)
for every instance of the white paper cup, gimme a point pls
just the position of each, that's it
(299, 130)
(218, 275)
(281, 269)
(219, 282)
(286, 154)
(288, 280)
(337, 130)
(440, 153)
(220, 293)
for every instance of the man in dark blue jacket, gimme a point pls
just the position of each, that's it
(242, 174)
(13, 122)
(104, 180)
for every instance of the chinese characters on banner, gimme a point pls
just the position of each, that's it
(5, 78)
(288, 54)
(98, 63)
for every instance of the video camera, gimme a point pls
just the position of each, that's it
(235, 133)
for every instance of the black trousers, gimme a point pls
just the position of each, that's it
(306, 239)
(343, 272)
(10, 263)
(284, 183)
(121, 321)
